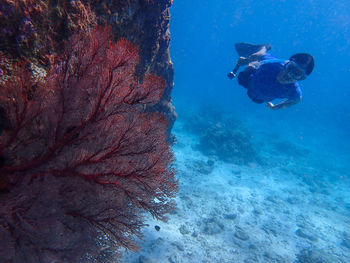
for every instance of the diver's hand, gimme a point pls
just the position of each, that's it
(231, 75)
(242, 61)
(283, 104)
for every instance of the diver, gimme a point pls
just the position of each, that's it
(267, 78)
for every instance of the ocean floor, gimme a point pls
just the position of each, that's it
(280, 211)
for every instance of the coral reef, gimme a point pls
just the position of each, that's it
(222, 136)
(232, 146)
(80, 159)
(32, 30)
(35, 30)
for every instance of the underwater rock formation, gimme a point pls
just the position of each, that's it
(228, 145)
(81, 161)
(146, 24)
(222, 137)
(33, 30)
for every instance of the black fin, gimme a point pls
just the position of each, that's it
(246, 49)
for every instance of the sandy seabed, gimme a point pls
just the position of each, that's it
(246, 214)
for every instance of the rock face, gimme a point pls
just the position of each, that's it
(146, 24)
(34, 30)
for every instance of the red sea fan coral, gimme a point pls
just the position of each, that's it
(81, 160)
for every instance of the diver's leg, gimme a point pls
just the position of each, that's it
(254, 99)
(246, 49)
(243, 77)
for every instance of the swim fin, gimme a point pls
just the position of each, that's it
(246, 49)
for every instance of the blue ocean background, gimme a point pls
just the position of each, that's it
(288, 201)
(202, 49)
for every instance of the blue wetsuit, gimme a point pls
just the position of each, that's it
(262, 83)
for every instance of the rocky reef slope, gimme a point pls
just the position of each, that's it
(36, 30)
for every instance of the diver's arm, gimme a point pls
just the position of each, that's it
(283, 104)
(243, 61)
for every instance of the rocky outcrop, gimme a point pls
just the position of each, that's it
(34, 30)
(145, 23)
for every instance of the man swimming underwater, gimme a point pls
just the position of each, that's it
(267, 78)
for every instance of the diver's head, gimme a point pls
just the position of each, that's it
(297, 68)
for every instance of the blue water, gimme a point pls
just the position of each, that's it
(283, 195)
(202, 50)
